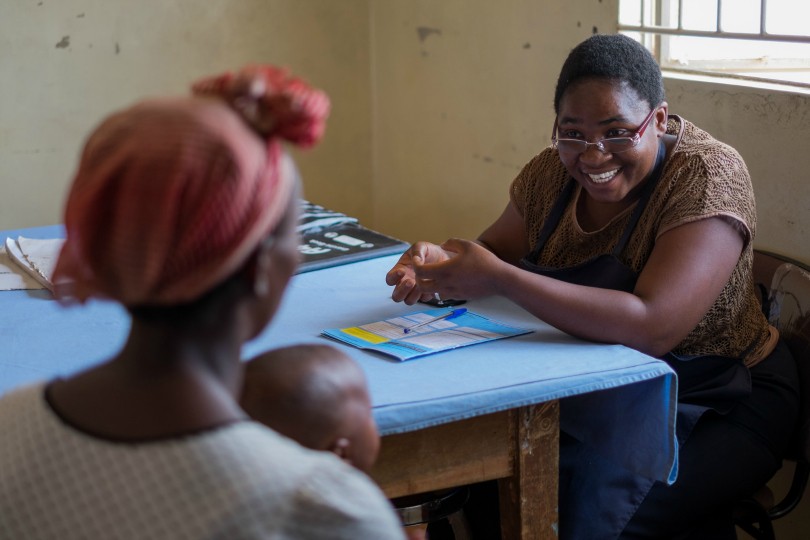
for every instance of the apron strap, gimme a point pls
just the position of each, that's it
(553, 219)
(644, 198)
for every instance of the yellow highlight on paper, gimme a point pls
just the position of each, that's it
(365, 335)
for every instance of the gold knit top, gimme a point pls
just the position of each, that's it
(702, 178)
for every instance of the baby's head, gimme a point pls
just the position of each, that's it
(317, 396)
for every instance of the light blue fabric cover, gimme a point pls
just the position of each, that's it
(619, 401)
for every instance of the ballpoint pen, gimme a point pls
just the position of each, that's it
(449, 315)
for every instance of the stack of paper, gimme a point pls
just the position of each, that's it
(34, 258)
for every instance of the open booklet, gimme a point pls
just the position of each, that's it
(424, 332)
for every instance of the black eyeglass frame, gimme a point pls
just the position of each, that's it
(602, 145)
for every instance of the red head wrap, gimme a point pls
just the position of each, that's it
(173, 195)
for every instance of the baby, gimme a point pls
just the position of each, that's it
(317, 396)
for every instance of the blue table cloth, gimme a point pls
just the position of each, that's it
(616, 399)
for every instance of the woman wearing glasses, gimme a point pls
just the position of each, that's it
(636, 227)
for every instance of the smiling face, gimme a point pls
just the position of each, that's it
(594, 109)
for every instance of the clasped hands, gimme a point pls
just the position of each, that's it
(459, 269)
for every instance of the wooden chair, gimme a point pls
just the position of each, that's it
(785, 287)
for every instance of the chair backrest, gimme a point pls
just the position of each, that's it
(788, 309)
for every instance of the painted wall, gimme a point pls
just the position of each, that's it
(769, 127)
(66, 64)
(463, 95)
(436, 104)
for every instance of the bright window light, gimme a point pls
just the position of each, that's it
(755, 39)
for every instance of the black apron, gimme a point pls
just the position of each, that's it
(712, 382)
(588, 482)
(605, 271)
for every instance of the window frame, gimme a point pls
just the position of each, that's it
(653, 33)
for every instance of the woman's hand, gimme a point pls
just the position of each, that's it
(403, 277)
(471, 271)
(459, 269)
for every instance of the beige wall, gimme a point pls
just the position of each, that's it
(769, 127)
(66, 64)
(462, 99)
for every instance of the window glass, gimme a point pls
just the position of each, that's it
(686, 40)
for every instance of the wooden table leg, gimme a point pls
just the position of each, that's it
(519, 447)
(528, 499)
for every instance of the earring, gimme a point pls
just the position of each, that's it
(261, 285)
(341, 448)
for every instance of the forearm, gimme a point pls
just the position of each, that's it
(679, 283)
(641, 321)
(595, 314)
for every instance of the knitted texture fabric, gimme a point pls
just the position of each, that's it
(239, 481)
(702, 178)
(172, 196)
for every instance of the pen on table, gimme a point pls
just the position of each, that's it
(449, 315)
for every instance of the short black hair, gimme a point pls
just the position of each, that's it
(616, 57)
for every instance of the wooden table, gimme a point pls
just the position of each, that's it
(499, 418)
(518, 447)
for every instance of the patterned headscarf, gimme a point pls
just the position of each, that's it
(173, 195)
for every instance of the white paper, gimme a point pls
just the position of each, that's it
(41, 255)
(33, 257)
(12, 277)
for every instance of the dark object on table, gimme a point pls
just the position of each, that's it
(330, 238)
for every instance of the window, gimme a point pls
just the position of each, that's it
(766, 40)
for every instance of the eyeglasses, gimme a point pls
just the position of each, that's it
(612, 145)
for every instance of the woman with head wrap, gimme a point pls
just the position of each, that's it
(184, 211)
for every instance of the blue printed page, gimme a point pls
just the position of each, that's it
(418, 334)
